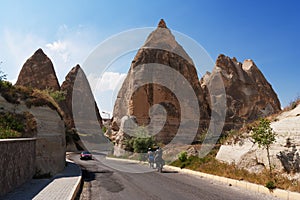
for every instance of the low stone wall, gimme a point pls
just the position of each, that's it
(17, 162)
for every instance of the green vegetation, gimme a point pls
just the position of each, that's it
(264, 136)
(104, 129)
(31, 97)
(12, 121)
(141, 142)
(14, 125)
(270, 185)
(8, 133)
(58, 96)
(182, 156)
(2, 75)
(11, 125)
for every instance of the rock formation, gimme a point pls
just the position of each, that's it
(87, 106)
(149, 84)
(249, 95)
(38, 72)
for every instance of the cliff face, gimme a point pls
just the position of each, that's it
(38, 72)
(248, 93)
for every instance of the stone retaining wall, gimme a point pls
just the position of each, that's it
(17, 162)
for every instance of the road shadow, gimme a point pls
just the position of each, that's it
(169, 172)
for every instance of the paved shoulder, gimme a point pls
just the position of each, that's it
(62, 186)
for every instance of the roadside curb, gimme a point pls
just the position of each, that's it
(283, 194)
(64, 185)
(76, 187)
(125, 160)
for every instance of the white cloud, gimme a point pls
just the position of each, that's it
(106, 88)
(109, 81)
(72, 48)
(59, 48)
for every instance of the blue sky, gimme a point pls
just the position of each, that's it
(265, 31)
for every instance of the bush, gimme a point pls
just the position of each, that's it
(12, 121)
(182, 156)
(141, 142)
(58, 96)
(2, 75)
(141, 145)
(270, 185)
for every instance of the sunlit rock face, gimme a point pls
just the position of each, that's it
(152, 90)
(38, 72)
(249, 95)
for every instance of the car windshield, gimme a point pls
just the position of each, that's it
(86, 152)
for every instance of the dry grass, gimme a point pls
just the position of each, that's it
(212, 166)
(293, 104)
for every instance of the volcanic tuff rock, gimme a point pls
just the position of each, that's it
(243, 87)
(242, 152)
(87, 105)
(249, 95)
(38, 72)
(135, 97)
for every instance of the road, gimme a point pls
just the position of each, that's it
(107, 183)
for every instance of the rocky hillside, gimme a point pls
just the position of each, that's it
(284, 152)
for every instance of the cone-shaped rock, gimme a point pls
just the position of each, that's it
(153, 82)
(67, 88)
(38, 72)
(89, 113)
(249, 95)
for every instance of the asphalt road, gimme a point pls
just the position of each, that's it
(106, 183)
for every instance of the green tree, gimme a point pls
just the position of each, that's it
(141, 140)
(264, 136)
(2, 74)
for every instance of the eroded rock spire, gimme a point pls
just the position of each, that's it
(162, 24)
